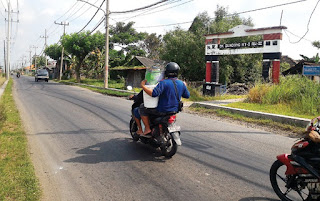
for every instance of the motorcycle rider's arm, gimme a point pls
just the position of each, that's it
(146, 89)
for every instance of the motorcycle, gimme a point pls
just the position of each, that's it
(18, 75)
(296, 176)
(165, 134)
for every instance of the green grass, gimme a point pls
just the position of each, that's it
(291, 129)
(297, 93)
(295, 96)
(195, 96)
(17, 176)
(281, 109)
(2, 80)
(103, 91)
(116, 84)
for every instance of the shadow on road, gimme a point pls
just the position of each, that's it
(115, 150)
(257, 199)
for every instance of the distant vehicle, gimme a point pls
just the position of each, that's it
(42, 74)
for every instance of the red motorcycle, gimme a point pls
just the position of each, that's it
(297, 176)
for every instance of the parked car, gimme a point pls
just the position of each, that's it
(42, 74)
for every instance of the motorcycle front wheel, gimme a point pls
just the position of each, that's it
(170, 147)
(287, 187)
(133, 129)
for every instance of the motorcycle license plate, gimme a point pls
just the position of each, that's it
(173, 128)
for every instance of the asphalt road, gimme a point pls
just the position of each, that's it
(82, 150)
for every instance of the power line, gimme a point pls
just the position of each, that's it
(146, 13)
(3, 5)
(308, 23)
(287, 31)
(67, 11)
(142, 8)
(278, 5)
(92, 16)
(248, 11)
(99, 23)
(83, 12)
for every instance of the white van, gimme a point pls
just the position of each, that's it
(42, 74)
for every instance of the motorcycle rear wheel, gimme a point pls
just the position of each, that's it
(133, 129)
(170, 148)
(287, 191)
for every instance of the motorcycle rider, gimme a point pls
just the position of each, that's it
(168, 102)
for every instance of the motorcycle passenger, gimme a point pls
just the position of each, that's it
(138, 100)
(168, 101)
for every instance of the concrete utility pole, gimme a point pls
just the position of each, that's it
(106, 74)
(10, 21)
(45, 45)
(64, 32)
(107, 13)
(35, 57)
(4, 56)
(8, 42)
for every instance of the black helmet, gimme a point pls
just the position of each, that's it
(172, 69)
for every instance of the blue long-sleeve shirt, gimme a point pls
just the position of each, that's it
(168, 101)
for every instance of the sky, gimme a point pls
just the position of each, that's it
(36, 16)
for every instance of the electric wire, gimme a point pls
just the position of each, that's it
(3, 5)
(248, 11)
(2, 14)
(92, 17)
(287, 31)
(68, 10)
(308, 23)
(147, 12)
(99, 23)
(142, 8)
(83, 12)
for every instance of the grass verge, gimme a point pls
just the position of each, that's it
(291, 130)
(282, 109)
(195, 95)
(17, 178)
(102, 91)
(2, 80)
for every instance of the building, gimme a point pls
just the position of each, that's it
(135, 70)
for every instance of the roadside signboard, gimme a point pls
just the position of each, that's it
(311, 70)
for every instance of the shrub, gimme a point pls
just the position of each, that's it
(257, 93)
(296, 91)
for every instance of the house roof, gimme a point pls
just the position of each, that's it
(297, 69)
(289, 60)
(141, 63)
(150, 62)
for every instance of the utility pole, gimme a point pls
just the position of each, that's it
(4, 56)
(64, 32)
(8, 42)
(35, 57)
(30, 60)
(106, 74)
(10, 21)
(45, 44)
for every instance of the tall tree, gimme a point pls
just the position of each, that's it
(80, 45)
(200, 24)
(128, 39)
(187, 49)
(152, 45)
(53, 51)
